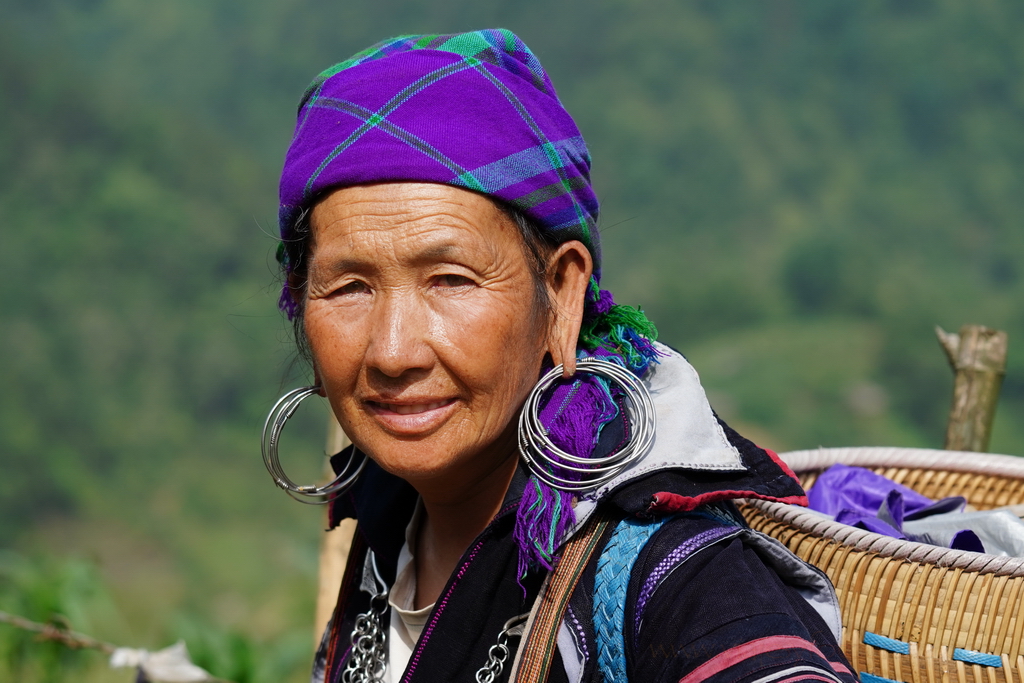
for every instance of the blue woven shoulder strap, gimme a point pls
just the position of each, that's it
(614, 568)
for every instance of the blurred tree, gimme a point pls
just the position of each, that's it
(795, 192)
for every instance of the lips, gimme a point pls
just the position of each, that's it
(415, 408)
(412, 417)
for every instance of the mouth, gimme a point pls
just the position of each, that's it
(411, 408)
(415, 417)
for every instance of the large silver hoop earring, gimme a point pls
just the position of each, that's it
(311, 495)
(567, 472)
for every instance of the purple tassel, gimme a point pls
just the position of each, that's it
(604, 302)
(287, 303)
(536, 519)
(574, 413)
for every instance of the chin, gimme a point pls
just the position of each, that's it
(412, 460)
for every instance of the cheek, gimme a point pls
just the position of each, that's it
(333, 343)
(495, 349)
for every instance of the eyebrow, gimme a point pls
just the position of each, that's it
(436, 252)
(335, 267)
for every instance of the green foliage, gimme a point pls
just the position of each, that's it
(64, 593)
(795, 193)
(70, 593)
(235, 656)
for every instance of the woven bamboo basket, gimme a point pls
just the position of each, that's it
(912, 612)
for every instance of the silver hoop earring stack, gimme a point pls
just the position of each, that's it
(567, 472)
(311, 495)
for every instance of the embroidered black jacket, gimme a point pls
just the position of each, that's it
(707, 600)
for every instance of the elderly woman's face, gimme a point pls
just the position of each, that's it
(424, 326)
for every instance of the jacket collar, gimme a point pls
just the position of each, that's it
(688, 434)
(695, 459)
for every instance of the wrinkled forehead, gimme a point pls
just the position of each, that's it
(412, 223)
(373, 202)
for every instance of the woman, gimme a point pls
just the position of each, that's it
(441, 256)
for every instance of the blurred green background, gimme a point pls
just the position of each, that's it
(796, 192)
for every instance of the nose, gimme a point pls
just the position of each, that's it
(398, 344)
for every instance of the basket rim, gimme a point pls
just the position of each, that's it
(889, 456)
(894, 548)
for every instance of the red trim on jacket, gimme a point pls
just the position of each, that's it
(665, 502)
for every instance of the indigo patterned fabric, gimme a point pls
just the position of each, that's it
(474, 110)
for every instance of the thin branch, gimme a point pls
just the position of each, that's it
(59, 633)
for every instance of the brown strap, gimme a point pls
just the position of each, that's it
(538, 646)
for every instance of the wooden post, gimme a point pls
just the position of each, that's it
(978, 357)
(334, 546)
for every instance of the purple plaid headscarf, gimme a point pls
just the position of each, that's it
(476, 111)
(473, 110)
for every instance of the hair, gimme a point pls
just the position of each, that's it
(539, 246)
(295, 251)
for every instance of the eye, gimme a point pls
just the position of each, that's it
(452, 280)
(355, 287)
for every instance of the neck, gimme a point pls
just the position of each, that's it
(451, 524)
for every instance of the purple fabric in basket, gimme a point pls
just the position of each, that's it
(861, 498)
(855, 489)
(967, 540)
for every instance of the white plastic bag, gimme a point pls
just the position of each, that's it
(170, 665)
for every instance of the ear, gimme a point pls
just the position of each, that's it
(569, 271)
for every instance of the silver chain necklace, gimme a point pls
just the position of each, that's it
(499, 652)
(369, 659)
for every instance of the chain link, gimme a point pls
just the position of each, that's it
(499, 652)
(369, 658)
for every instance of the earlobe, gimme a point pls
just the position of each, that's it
(568, 276)
(317, 381)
